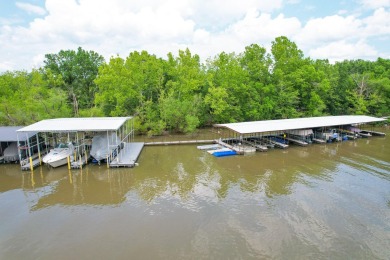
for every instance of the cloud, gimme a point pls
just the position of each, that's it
(31, 9)
(330, 28)
(118, 27)
(322, 36)
(377, 24)
(341, 50)
(374, 4)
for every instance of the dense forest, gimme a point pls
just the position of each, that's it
(180, 93)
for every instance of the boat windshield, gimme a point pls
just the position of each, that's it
(62, 145)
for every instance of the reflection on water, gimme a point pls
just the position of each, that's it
(321, 201)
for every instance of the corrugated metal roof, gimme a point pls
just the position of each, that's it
(297, 123)
(9, 134)
(77, 124)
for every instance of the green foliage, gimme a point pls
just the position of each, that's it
(180, 93)
(26, 98)
(77, 70)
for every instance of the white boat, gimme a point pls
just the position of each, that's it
(104, 146)
(59, 155)
(11, 153)
(305, 135)
(329, 135)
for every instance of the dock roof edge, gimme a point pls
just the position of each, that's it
(79, 124)
(9, 134)
(297, 123)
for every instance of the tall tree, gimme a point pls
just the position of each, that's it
(287, 59)
(181, 104)
(256, 64)
(78, 70)
(26, 98)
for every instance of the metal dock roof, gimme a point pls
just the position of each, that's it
(9, 134)
(77, 124)
(297, 123)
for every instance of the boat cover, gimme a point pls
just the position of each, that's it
(103, 145)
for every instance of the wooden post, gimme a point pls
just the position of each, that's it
(31, 164)
(39, 155)
(68, 162)
(81, 163)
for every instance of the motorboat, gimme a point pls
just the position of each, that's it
(59, 155)
(329, 135)
(104, 146)
(11, 153)
(305, 135)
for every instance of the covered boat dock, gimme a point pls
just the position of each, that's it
(81, 131)
(9, 140)
(284, 131)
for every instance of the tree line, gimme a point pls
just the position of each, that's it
(181, 94)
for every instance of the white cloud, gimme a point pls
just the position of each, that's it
(374, 4)
(377, 24)
(341, 50)
(120, 26)
(330, 28)
(29, 8)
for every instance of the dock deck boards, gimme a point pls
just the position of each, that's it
(258, 147)
(277, 144)
(298, 142)
(239, 150)
(79, 163)
(318, 141)
(26, 166)
(364, 135)
(128, 155)
(374, 132)
(181, 142)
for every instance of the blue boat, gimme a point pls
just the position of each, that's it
(224, 153)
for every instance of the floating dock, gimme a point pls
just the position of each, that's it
(318, 141)
(79, 164)
(209, 147)
(374, 133)
(128, 156)
(278, 144)
(295, 141)
(239, 149)
(256, 145)
(181, 142)
(26, 166)
(364, 135)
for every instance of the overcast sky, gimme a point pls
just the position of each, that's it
(334, 30)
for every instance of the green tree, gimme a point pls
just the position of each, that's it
(287, 59)
(78, 70)
(26, 98)
(256, 64)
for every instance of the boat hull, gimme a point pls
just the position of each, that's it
(57, 163)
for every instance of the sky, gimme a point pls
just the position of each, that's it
(333, 30)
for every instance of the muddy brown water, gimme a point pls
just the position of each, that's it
(327, 201)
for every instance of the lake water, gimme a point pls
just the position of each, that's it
(327, 201)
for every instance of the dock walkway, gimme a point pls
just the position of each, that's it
(25, 163)
(374, 132)
(181, 142)
(79, 163)
(277, 144)
(26, 166)
(318, 141)
(295, 141)
(128, 156)
(256, 145)
(239, 150)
